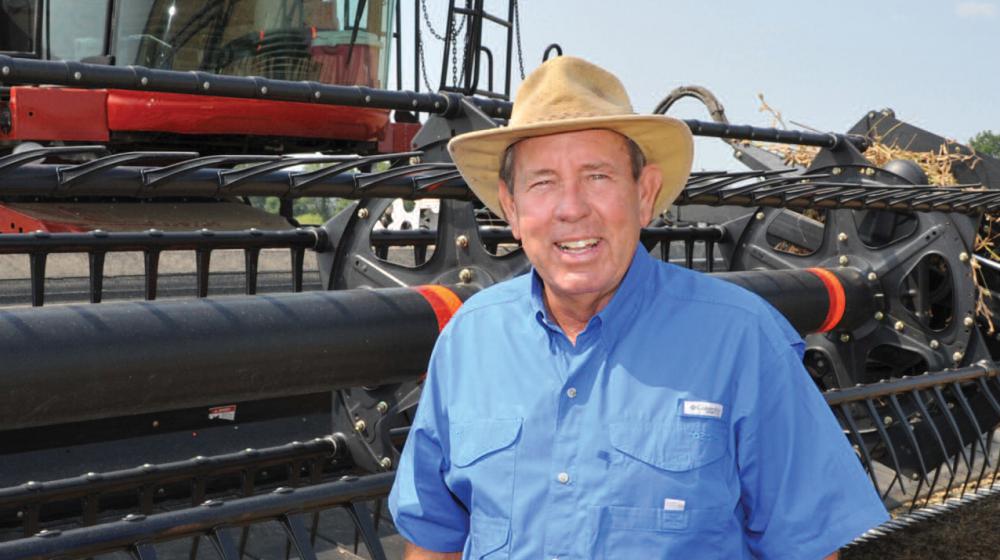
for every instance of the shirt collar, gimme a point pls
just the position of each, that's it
(623, 305)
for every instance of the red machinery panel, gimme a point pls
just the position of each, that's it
(43, 113)
(195, 114)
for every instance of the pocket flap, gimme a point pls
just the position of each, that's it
(688, 444)
(487, 534)
(473, 440)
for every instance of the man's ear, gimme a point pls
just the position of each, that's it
(509, 208)
(650, 183)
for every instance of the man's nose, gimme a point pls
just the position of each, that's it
(573, 204)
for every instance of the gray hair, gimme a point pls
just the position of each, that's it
(637, 160)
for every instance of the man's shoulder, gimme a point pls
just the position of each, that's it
(496, 299)
(697, 293)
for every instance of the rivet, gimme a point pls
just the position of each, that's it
(77, 76)
(887, 420)
(462, 241)
(206, 85)
(263, 90)
(368, 99)
(437, 104)
(845, 337)
(759, 216)
(6, 70)
(386, 462)
(957, 356)
(133, 517)
(360, 426)
(738, 154)
(837, 170)
(841, 237)
(156, 423)
(879, 315)
(968, 321)
(843, 260)
(382, 407)
(414, 103)
(144, 81)
(872, 277)
(363, 213)
(317, 95)
(963, 256)
(935, 344)
(899, 326)
(465, 275)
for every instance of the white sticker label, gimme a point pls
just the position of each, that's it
(227, 412)
(703, 408)
(670, 504)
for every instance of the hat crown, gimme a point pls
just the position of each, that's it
(567, 87)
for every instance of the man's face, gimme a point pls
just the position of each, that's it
(578, 211)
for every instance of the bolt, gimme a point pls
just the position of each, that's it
(317, 95)
(263, 90)
(845, 337)
(879, 315)
(837, 170)
(759, 216)
(6, 70)
(843, 260)
(144, 81)
(957, 356)
(899, 326)
(968, 322)
(385, 462)
(465, 275)
(872, 277)
(842, 237)
(935, 345)
(739, 154)
(414, 103)
(382, 407)
(360, 425)
(963, 256)
(368, 99)
(887, 420)
(462, 241)
(363, 213)
(156, 423)
(77, 76)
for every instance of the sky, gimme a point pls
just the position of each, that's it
(822, 64)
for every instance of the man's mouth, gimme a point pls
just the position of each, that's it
(577, 245)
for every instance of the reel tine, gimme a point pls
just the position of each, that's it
(964, 404)
(298, 536)
(363, 524)
(223, 544)
(845, 412)
(880, 428)
(943, 405)
(37, 264)
(897, 410)
(940, 441)
(143, 551)
(95, 261)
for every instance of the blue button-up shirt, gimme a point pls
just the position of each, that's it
(681, 425)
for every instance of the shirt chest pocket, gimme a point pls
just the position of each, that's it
(483, 457)
(687, 443)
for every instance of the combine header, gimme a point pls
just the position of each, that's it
(219, 426)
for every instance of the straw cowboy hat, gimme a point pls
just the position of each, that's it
(567, 94)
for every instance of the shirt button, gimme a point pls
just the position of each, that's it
(571, 392)
(563, 478)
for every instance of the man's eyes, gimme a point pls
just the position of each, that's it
(598, 177)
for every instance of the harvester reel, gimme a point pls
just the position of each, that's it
(918, 262)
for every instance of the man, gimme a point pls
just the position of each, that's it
(608, 405)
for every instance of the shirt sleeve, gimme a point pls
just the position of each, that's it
(423, 508)
(804, 493)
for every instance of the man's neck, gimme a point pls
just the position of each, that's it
(572, 313)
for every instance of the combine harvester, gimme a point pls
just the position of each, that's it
(269, 424)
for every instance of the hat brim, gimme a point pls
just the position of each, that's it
(665, 141)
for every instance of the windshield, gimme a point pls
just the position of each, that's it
(17, 26)
(280, 39)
